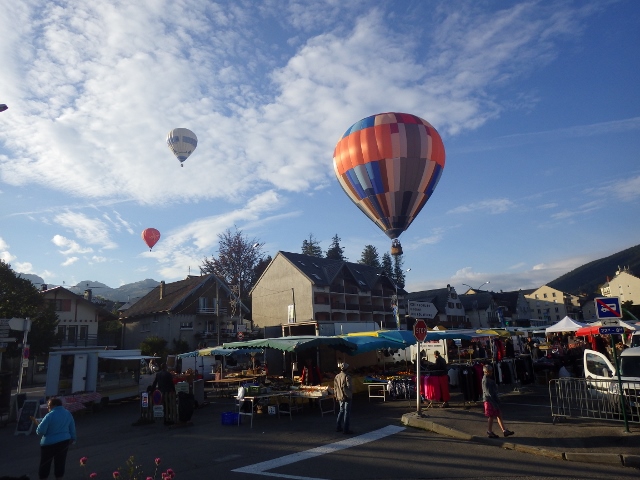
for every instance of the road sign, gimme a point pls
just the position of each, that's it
(610, 322)
(240, 335)
(422, 310)
(420, 330)
(610, 330)
(608, 307)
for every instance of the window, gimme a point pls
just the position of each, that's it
(84, 332)
(72, 333)
(186, 325)
(454, 295)
(545, 295)
(61, 304)
(539, 312)
(536, 296)
(145, 327)
(553, 294)
(458, 305)
(597, 365)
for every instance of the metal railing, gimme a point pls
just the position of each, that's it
(596, 399)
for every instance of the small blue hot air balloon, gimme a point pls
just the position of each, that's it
(182, 142)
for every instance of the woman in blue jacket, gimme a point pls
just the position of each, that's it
(58, 431)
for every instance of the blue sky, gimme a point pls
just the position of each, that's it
(537, 103)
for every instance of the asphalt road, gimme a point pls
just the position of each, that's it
(306, 447)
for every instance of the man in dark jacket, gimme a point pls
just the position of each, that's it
(164, 383)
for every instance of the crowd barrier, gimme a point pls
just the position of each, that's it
(595, 399)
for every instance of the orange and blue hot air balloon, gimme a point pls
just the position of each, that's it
(389, 165)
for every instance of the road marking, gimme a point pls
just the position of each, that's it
(262, 467)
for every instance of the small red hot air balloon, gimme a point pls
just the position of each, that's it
(150, 237)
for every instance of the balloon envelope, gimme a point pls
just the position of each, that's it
(389, 164)
(182, 142)
(150, 237)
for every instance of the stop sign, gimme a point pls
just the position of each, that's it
(240, 335)
(420, 330)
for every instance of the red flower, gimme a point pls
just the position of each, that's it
(93, 475)
(158, 461)
(83, 461)
(116, 474)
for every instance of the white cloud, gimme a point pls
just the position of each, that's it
(492, 206)
(3, 245)
(91, 230)
(69, 134)
(69, 261)
(70, 247)
(7, 257)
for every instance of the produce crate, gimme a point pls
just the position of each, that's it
(229, 418)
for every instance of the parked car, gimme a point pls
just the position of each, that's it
(602, 380)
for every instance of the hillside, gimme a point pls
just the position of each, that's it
(588, 277)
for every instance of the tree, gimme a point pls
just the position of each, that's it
(370, 257)
(335, 251)
(387, 266)
(238, 257)
(20, 298)
(398, 272)
(311, 247)
(154, 346)
(630, 311)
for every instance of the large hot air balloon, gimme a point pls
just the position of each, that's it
(389, 164)
(182, 142)
(150, 237)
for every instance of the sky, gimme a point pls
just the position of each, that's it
(536, 101)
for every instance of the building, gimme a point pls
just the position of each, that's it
(480, 310)
(624, 285)
(549, 305)
(78, 318)
(451, 312)
(199, 310)
(514, 309)
(325, 295)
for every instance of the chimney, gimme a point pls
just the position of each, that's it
(87, 294)
(161, 289)
(44, 287)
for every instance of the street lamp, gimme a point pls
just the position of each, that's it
(254, 246)
(395, 300)
(476, 289)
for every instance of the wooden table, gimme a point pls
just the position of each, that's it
(319, 398)
(226, 385)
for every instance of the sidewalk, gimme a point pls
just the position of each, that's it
(529, 416)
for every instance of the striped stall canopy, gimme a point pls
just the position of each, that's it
(389, 165)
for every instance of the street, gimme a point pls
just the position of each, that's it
(305, 447)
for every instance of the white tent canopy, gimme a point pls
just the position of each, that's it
(565, 325)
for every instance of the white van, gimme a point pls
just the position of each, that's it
(602, 377)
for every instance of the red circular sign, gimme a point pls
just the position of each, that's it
(240, 335)
(420, 330)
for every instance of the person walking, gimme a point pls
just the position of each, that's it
(442, 372)
(492, 403)
(164, 383)
(58, 431)
(344, 395)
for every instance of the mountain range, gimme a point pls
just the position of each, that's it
(585, 279)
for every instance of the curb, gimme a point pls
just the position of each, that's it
(413, 420)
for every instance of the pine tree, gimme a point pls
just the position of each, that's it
(387, 266)
(335, 251)
(370, 257)
(311, 247)
(398, 272)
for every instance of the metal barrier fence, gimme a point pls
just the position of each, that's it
(597, 399)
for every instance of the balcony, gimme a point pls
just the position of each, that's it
(353, 306)
(351, 290)
(338, 306)
(210, 311)
(336, 289)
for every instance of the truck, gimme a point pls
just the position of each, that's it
(114, 374)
